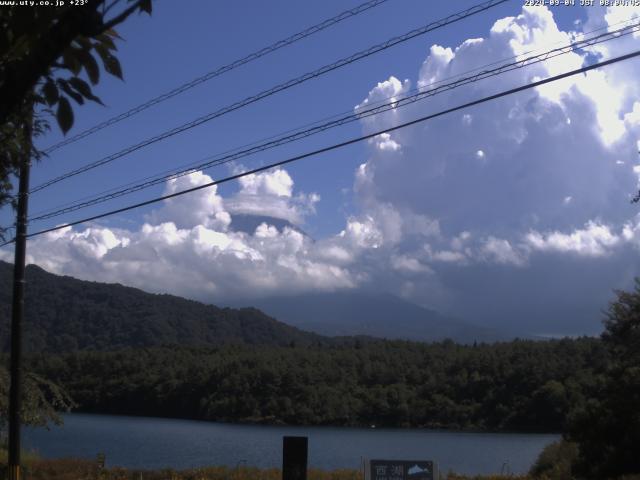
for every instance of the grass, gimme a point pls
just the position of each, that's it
(35, 468)
(77, 469)
(27, 458)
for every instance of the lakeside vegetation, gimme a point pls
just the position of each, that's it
(515, 386)
(75, 469)
(554, 464)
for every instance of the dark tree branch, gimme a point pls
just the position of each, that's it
(21, 76)
(107, 8)
(119, 18)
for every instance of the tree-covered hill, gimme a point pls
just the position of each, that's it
(67, 314)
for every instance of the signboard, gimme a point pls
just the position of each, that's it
(400, 470)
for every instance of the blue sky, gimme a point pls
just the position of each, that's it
(183, 41)
(178, 44)
(511, 214)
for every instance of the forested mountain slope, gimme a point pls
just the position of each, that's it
(67, 314)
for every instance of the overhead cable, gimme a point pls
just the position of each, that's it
(220, 71)
(343, 144)
(394, 104)
(278, 88)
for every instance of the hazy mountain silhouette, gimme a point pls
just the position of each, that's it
(248, 223)
(383, 315)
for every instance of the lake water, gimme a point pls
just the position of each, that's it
(149, 443)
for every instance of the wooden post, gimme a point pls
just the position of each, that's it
(294, 458)
(17, 310)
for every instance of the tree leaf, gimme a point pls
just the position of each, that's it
(145, 6)
(113, 34)
(67, 89)
(37, 98)
(50, 91)
(111, 63)
(84, 89)
(83, 42)
(112, 66)
(64, 115)
(71, 60)
(102, 50)
(18, 48)
(90, 66)
(106, 41)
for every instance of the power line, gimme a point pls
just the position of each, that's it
(189, 167)
(170, 173)
(247, 59)
(278, 88)
(345, 143)
(220, 71)
(395, 103)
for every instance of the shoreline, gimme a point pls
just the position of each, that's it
(257, 423)
(155, 443)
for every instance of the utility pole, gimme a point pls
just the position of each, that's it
(17, 309)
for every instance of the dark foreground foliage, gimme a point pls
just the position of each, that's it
(520, 385)
(607, 427)
(555, 461)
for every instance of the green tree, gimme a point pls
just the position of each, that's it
(42, 400)
(48, 58)
(607, 430)
(554, 462)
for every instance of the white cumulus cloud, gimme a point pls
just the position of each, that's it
(486, 213)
